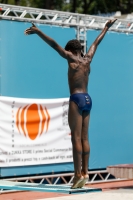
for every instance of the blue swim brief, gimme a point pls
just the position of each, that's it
(83, 101)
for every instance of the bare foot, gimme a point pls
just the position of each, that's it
(76, 182)
(84, 181)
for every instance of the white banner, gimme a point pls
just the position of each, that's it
(34, 131)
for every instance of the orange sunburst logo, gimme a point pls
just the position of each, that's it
(32, 120)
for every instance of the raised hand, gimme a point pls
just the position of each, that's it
(32, 30)
(110, 23)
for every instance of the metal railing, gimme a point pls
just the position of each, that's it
(80, 21)
(59, 18)
(101, 176)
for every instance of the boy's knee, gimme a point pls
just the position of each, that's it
(75, 139)
(85, 141)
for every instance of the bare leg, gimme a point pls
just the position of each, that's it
(85, 149)
(75, 123)
(85, 143)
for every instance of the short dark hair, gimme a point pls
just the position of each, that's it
(73, 45)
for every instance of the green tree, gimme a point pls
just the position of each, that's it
(78, 6)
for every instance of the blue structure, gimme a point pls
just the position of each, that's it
(111, 86)
(31, 69)
(29, 66)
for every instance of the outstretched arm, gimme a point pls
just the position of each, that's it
(95, 44)
(48, 40)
